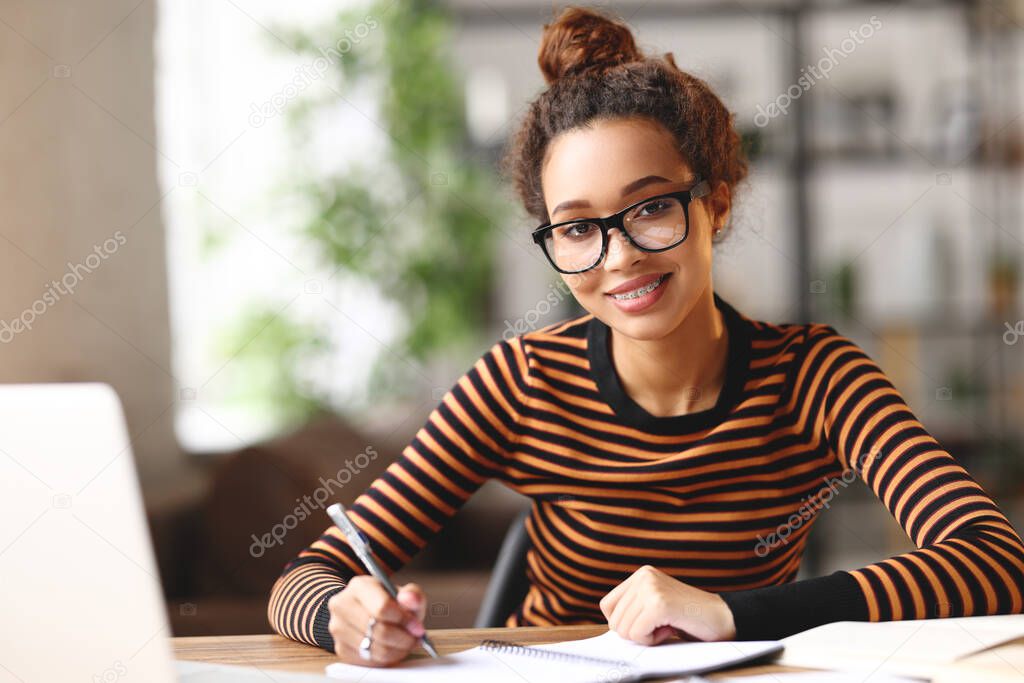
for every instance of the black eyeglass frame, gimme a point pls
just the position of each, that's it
(699, 189)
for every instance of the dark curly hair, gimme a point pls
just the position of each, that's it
(594, 71)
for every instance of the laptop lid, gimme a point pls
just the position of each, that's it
(81, 594)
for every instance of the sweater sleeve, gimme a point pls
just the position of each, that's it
(969, 559)
(464, 442)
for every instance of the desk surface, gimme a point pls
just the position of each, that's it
(278, 653)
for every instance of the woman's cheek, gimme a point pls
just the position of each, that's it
(585, 288)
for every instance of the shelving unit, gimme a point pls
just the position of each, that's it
(985, 431)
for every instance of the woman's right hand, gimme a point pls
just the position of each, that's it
(398, 627)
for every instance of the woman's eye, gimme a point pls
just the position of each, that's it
(578, 230)
(652, 208)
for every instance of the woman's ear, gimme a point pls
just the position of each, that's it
(719, 202)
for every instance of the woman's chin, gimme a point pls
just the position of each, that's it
(646, 326)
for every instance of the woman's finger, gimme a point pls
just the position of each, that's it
(609, 601)
(663, 633)
(390, 643)
(412, 598)
(380, 605)
(633, 619)
(621, 607)
(384, 633)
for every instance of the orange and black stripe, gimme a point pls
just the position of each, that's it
(722, 499)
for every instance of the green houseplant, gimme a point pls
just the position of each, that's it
(416, 223)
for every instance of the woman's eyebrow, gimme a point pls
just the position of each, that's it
(626, 190)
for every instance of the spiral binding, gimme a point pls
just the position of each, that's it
(506, 646)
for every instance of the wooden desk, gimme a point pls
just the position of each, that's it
(278, 653)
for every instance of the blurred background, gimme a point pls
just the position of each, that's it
(278, 231)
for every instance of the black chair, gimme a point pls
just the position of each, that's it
(508, 584)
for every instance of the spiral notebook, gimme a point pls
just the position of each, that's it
(607, 658)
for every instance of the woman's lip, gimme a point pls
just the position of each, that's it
(635, 283)
(639, 304)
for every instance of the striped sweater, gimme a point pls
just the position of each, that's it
(722, 499)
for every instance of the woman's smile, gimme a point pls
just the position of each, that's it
(640, 293)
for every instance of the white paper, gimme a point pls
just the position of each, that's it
(479, 664)
(912, 647)
(819, 677)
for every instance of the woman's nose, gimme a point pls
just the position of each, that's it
(621, 253)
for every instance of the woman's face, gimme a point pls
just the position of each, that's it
(590, 167)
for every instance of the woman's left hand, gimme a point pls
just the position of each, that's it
(650, 607)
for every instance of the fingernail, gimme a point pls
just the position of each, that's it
(416, 628)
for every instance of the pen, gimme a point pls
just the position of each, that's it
(362, 549)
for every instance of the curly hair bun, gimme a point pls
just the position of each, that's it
(580, 39)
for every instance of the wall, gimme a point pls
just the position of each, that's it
(80, 206)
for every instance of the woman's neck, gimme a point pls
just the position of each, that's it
(682, 372)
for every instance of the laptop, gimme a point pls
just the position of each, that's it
(79, 589)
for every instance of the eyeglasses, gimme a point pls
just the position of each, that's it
(655, 224)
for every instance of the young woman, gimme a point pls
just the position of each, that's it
(677, 452)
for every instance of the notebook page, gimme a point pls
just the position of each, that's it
(910, 647)
(666, 659)
(476, 665)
